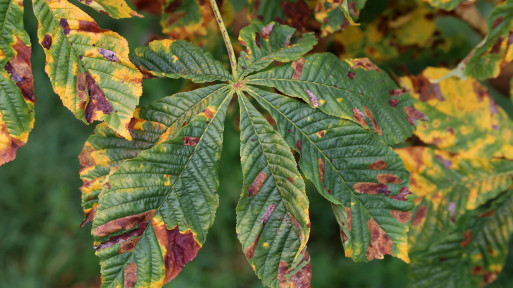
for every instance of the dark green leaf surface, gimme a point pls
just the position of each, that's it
(272, 42)
(104, 151)
(272, 214)
(155, 210)
(351, 89)
(179, 59)
(364, 179)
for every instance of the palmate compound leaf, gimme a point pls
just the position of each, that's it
(16, 82)
(155, 210)
(455, 238)
(364, 179)
(273, 225)
(114, 8)
(268, 43)
(89, 67)
(495, 51)
(104, 151)
(179, 59)
(352, 89)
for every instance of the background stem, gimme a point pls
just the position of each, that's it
(226, 37)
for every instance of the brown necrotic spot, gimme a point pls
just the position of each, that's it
(268, 213)
(447, 163)
(88, 217)
(20, 69)
(89, 27)
(401, 216)
(312, 97)
(393, 102)
(371, 188)
(208, 113)
(375, 125)
(250, 251)
(487, 214)
(128, 245)
(413, 114)
(301, 279)
(190, 141)
(359, 117)
(109, 55)
(47, 41)
(320, 163)
(297, 225)
(257, 184)
(266, 31)
(81, 90)
(291, 180)
(298, 68)
(388, 178)
(298, 145)
(97, 100)
(380, 244)
(351, 75)
(257, 39)
(403, 193)
(396, 92)
(419, 215)
(426, 90)
(467, 238)
(123, 224)
(497, 21)
(378, 165)
(180, 248)
(321, 133)
(130, 275)
(364, 63)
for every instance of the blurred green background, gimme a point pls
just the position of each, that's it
(42, 245)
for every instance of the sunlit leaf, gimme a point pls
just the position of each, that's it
(89, 67)
(155, 210)
(16, 82)
(363, 178)
(179, 59)
(272, 215)
(114, 8)
(104, 151)
(272, 42)
(461, 227)
(464, 117)
(352, 89)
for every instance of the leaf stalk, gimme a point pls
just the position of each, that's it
(226, 37)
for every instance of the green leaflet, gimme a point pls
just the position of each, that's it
(155, 210)
(335, 15)
(272, 214)
(495, 51)
(16, 83)
(444, 4)
(114, 8)
(470, 255)
(351, 89)
(180, 59)
(363, 178)
(104, 151)
(273, 42)
(89, 67)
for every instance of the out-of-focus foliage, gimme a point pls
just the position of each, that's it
(463, 220)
